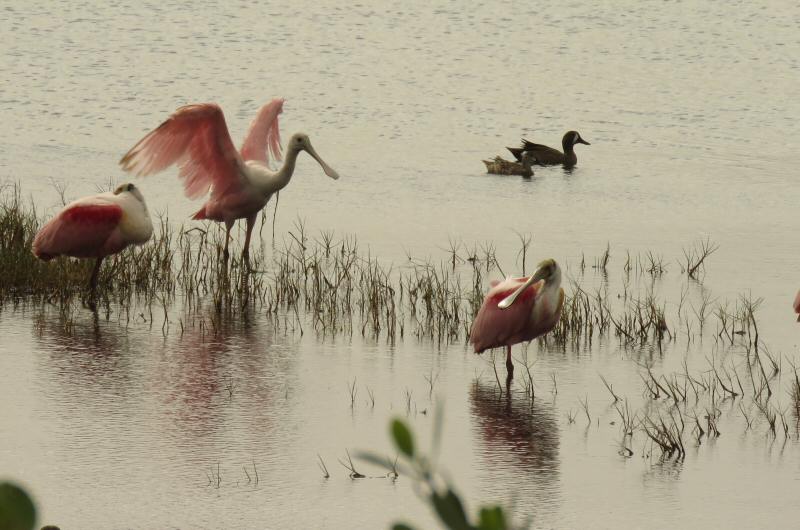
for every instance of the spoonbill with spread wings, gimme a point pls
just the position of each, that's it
(196, 138)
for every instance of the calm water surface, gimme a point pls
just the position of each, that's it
(691, 111)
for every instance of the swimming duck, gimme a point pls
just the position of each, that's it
(499, 166)
(547, 156)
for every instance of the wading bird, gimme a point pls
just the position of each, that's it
(518, 310)
(499, 166)
(196, 138)
(547, 156)
(797, 305)
(96, 227)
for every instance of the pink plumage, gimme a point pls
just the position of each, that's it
(95, 227)
(264, 136)
(81, 231)
(518, 310)
(494, 327)
(797, 305)
(197, 139)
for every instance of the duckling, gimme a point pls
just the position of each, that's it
(499, 166)
(547, 156)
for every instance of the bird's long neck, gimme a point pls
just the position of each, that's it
(269, 182)
(284, 174)
(567, 145)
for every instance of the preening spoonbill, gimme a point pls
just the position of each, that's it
(499, 166)
(797, 305)
(95, 227)
(518, 310)
(547, 156)
(196, 138)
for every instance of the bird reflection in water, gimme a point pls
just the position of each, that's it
(83, 355)
(516, 430)
(208, 379)
(191, 383)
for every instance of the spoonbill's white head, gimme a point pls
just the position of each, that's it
(300, 142)
(130, 188)
(550, 272)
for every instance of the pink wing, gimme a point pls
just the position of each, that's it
(81, 231)
(196, 138)
(264, 136)
(494, 327)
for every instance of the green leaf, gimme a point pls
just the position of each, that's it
(492, 518)
(450, 510)
(17, 511)
(402, 438)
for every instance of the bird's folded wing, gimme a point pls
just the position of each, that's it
(78, 230)
(494, 326)
(527, 145)
(517, 152)
(197, 139)
(264, 136)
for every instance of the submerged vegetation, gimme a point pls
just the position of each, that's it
(337, 286)
(330, 286)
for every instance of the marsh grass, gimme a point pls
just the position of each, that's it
(337, 287)
(682, 403)
(694, 257)
(333, 286)
(23, 274)
(145, 270)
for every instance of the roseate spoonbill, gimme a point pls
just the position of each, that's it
(196, 138)
(547, 156)
(519, 309)
(95, 227)
(797, 305)
(499, 166)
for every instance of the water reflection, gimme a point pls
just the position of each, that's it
(84, 355)
(514, 430)
(232, 378)
(191, 383)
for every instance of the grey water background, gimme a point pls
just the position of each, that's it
(691, 111)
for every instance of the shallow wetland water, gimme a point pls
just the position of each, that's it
(173, 413)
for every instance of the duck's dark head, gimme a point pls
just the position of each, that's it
(571, 138)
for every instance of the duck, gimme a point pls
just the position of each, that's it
(500, 166)
(547, 156)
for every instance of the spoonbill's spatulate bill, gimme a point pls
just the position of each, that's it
(196, 138)
(95, 227)
(518, 310)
